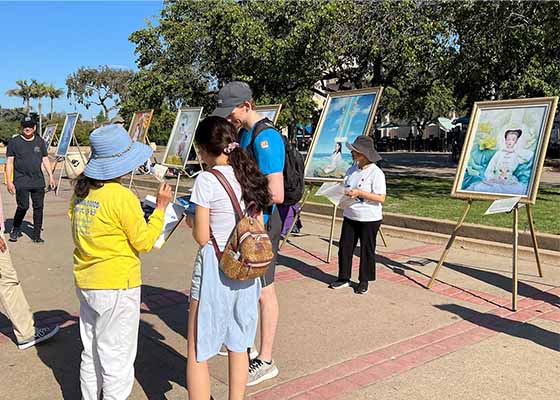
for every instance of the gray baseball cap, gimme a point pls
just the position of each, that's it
(365, 146)
(230, 96)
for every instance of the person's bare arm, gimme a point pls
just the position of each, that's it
(10, 175)
(276, 187)
(201, 227)
(366, 195)
(47, 166)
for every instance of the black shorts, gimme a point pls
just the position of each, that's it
(274, 228)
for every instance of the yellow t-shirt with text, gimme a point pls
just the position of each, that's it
(109, 230)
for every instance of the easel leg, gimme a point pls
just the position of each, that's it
(333, 222)
(449, 244)
(177, 186)
(383, 237)
(305, 198)
(131, 179)
(59, 180)
(515, 266)
(534, 237)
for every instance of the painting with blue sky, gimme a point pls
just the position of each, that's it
(66, 135)
(344, 118)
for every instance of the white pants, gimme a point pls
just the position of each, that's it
(109, 322)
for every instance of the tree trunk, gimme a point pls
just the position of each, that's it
(50, 114)
(40, 118)
(27, 106)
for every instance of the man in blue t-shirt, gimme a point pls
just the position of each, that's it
(235, 103)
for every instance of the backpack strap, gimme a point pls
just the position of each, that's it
(235, 203)
(260, 126)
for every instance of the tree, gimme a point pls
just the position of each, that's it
(24, 91)
(104, 86)
(53, 93)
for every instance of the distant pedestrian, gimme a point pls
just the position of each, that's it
(364, 182)
(14, 302)
(26, 154)
(109, 231)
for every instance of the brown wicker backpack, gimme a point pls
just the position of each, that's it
(248, 252)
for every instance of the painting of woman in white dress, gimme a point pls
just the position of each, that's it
(504, 149)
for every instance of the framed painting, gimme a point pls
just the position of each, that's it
(271, 111)
(66, 134)
(180, 141)
(138, 129)
(346, 115)
(48, 134)
(504, 149)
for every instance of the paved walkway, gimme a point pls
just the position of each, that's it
(400, 341)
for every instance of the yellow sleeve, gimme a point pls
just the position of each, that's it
(141, 235)
(71, 207)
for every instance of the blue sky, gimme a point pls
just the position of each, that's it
(48, 40)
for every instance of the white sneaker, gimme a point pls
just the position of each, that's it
(260, 371)
(40, 336)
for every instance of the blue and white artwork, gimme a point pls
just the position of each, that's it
(66, 134)
(503, 149)
(344, 119)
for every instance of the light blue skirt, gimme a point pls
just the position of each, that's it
(227, 309)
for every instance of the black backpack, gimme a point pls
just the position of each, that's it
(293, 164)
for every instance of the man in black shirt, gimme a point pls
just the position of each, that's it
(26, 153)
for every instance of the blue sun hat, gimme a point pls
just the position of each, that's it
(114, 154)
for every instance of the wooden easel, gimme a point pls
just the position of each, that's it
(515, 232)
(309, 189)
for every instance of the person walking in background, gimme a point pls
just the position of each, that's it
(109, 231)
(235, 103)
(365, 183)
(26, 153)
(14, 302)
(222, 311)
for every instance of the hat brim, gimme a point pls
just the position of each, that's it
(29, 125)
(223, 112)
(372, 155)
(105, 169)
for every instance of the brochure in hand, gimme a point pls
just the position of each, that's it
(174, 214)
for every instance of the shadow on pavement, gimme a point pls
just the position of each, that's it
(510, 327)
(504, 282)
(305, 269)
(26, 227)
(62, 354)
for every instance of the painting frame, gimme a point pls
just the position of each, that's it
(66, 135)
(377, 91)
(49, 128)
(175, 131)
(537, 159)
(263, 109)
(144, 133)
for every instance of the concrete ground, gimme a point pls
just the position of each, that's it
(399, 341)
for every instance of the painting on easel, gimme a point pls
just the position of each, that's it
(504, 149)
(48, 134)
(346, 115)
(138, 129)
(66, 134)
(180, 141)
(271, 111)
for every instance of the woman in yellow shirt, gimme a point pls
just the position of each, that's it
(109, 231)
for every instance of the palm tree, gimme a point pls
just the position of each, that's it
(38, 91)
(24, 91)
(53, 93)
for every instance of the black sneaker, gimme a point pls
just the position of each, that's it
(15, 235)
(362, 288)
(40, 336)
(38, 240)
(339, 284)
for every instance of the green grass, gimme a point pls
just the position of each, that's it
(430, 197)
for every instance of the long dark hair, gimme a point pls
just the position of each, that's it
(213, 135)
(83, 184)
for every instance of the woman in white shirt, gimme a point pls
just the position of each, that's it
(222, 311)
(365, 183)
